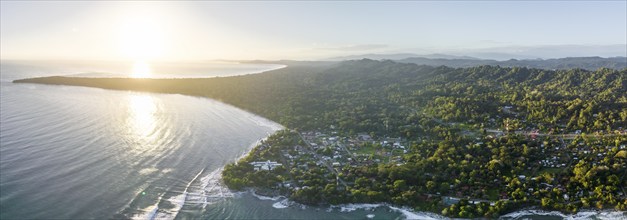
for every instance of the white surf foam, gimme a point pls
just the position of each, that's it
(281, 204)
(584, 214)
(147, 213)
(612, 215)
(147, 171)
(406, 212)
(260, 197)
(211, 190)
(409, 214)
(177, 201)
(352, 207)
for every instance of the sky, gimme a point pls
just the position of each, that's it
(202, 30)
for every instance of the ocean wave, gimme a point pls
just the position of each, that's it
(282, 204)
(260, 197)
(409, 214)
(211, 190)
(147, 171)
(177, 202)
(612, 215)
(148, 213)
(584, 214)
(406, 212)
(352, 207)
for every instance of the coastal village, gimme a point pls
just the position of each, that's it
(337, 155)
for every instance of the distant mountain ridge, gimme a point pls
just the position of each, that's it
(400, 56)
(589, 63)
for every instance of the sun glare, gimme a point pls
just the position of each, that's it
(141, 69)
(141, 38)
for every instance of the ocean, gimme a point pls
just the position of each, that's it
(85, 153)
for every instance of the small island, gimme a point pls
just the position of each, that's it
(463, 142)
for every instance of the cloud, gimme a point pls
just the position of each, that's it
(359, 47)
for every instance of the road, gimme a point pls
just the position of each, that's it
(319, 158)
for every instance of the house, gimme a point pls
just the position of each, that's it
(265, 165)
(287, 184)
(447, 200)
(364, 137)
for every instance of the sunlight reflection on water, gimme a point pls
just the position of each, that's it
(141, 121)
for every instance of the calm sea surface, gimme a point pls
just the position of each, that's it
(84, 153)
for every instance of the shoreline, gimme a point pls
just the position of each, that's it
(282, 202)
(96, 74)
(253, 145)
(169, 70)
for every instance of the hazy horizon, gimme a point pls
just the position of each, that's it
(194, 31)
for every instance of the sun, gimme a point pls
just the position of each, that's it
(141, 38)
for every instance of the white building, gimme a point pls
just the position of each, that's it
(265, 165)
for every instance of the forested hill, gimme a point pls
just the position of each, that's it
(589, 63)
(385, 97)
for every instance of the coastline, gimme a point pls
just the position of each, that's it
(159, 70)
(256, 143)
(583, 214)
(281, 202)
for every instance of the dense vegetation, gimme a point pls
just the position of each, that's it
(446, 115)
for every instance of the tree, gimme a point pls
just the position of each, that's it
(400, 185)
(430, 185)
(547, 202)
